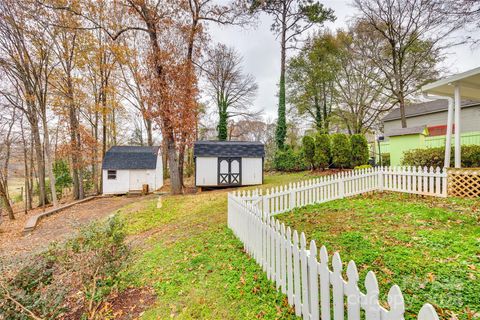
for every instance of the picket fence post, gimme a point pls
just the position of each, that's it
(341, 186)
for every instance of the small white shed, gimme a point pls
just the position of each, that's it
(127, 168)
(228, 163)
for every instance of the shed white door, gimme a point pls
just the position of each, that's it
(137, 179)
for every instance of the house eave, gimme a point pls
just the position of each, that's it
(430, 112)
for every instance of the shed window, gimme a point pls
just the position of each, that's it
(112, 174)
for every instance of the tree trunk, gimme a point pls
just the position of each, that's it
(168, 135)
(164, 155)
(113, 127)
(326, 111)
(318, 115)
(402, 111)
(40, 162)
(6, 203)
(95, 179)
(30, 178)
(48, 160)
(148, 125)
(281, 130)
(75, 142)
(181, 160)
(175, 181)
(222, 122)
(25, 166)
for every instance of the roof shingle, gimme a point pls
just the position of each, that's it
(422, 108)
(130, 157)
(229, 149)
(406, 131)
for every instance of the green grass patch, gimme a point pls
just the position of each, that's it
(196, 265)
(430, 247)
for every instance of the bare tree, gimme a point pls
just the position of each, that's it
(67, 47)
(360, 101)
(7, 122)
(249, 130)
(466, 12)
(405, 42)
(135, 85)
(26, 62)
(231, 89)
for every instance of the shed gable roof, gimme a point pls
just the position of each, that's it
(418, 109)
(130, 157)
(407, 131)
(246, 149)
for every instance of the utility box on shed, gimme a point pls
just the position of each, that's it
(228, 163)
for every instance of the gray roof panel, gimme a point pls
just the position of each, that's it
(130, 157)
(246, 149)
(428, 107)
(405, 131)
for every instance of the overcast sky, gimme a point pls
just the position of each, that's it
(261, 53)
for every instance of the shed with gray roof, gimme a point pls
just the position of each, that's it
(228, 163)
(128, 168)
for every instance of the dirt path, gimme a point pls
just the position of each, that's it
(15, 246)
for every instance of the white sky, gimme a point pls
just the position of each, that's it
(261, 53)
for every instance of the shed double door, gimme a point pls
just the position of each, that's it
(229, 171)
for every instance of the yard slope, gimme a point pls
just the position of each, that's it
(197, 267)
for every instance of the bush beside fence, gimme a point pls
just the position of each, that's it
(310, 285)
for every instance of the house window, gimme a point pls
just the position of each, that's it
(112, 174)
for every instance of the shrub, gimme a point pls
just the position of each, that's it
(83, 271)
(63, 179)
(322, 151)
(363, 166)
(33, 287)
(435, 157)
(288, 160)
(341, 151)
(308, 144)
(360, 152)
(385, 159)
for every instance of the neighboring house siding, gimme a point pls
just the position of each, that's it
(470, 118)
(251, 171)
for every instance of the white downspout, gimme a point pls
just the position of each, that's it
(448, 138)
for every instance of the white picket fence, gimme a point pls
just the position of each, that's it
(423, 181)
(316, 291)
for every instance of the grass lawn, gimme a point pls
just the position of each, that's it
(197, 267)
(430, 247)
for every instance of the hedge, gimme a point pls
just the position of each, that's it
(323, 150)
(308, 144)
(360, 152)
(341, 150)
(289, 160)
(435, 157)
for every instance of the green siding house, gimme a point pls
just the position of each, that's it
(426, 127)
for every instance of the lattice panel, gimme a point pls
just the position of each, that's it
(464, 183)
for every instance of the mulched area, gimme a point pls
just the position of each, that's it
(15, 246)
(126, 305)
